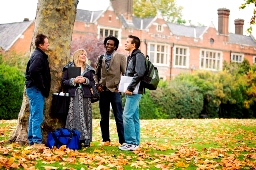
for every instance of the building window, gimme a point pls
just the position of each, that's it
(254, 60)
(211, 40)
(181, 57)
(109, 18)
(159, 28)
(237, 58)
(210, 60)
(159, 53)
(104, 32)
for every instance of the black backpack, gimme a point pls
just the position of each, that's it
(151, 78)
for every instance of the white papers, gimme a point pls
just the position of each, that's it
(124, 83)
(61, 94)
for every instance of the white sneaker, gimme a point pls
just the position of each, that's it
(122, 146)
(128, 147)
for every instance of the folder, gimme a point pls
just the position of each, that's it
(124, 83)
(73, 72)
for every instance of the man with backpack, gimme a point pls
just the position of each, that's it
(136, 69)
(109, 69)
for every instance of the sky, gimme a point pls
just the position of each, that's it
(197, 11)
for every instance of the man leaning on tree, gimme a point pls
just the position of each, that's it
(38, 83)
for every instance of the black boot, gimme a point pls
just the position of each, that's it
(87, 143)
(80, 144)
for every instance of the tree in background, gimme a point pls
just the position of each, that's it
(149, 8)
(93, 46)
(56, 20)
(252, 21)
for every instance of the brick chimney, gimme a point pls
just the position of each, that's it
(239, 23)
(223, 20)
(123, 7)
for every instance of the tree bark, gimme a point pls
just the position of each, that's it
(55, 19)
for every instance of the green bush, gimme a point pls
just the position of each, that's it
(149, 109)
(179, 100)
(12, 86)
(95, 110)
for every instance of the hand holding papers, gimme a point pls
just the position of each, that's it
(124, 83)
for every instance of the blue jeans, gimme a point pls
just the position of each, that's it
(131, 119)
(107, 97)
(36, 106)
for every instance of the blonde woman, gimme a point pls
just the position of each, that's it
(79, 89)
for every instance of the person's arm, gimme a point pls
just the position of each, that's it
(35, 70)
(140, 70)
(66, 81)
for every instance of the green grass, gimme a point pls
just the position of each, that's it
(193, 144)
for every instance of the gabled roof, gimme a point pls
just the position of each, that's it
(241, 39)
(187, 31)
(138, 23)
(10, 32)
(126, 23)
(88, 16)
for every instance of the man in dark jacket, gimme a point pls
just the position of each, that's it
(38, 82)
(136, 69)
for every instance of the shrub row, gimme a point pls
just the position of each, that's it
(12, 86)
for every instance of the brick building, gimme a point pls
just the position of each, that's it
(171, 47)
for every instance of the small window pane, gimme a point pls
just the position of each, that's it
(152, 47)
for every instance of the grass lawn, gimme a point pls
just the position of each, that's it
(193, 144)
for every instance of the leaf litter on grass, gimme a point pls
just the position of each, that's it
(165, 144)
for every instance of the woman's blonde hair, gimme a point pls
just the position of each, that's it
(76, 55)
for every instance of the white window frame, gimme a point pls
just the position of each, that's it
(162, 54)
(254, 60)
(109, 29)
(109, 18)
(211, 60)
(237, 57)
(177, 55)
(159, 28)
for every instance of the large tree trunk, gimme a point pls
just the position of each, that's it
(55, 19)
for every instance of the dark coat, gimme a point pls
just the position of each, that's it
(88, 73)
(38, 72)
(136, 68)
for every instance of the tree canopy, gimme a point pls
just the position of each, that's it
(150, 8)
(252, 21)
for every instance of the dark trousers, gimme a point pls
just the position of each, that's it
(107, 97)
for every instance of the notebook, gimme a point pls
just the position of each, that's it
(73, 72)
(124, 83)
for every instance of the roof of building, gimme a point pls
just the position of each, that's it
(10, 32)
(242, 39)
(187, 31)
(88, 16)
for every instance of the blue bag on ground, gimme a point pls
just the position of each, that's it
(64, 136)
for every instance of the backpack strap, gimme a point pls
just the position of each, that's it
(99, 66)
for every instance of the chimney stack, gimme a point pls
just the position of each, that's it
(239, 23)
(123, 7)
(223, 20)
